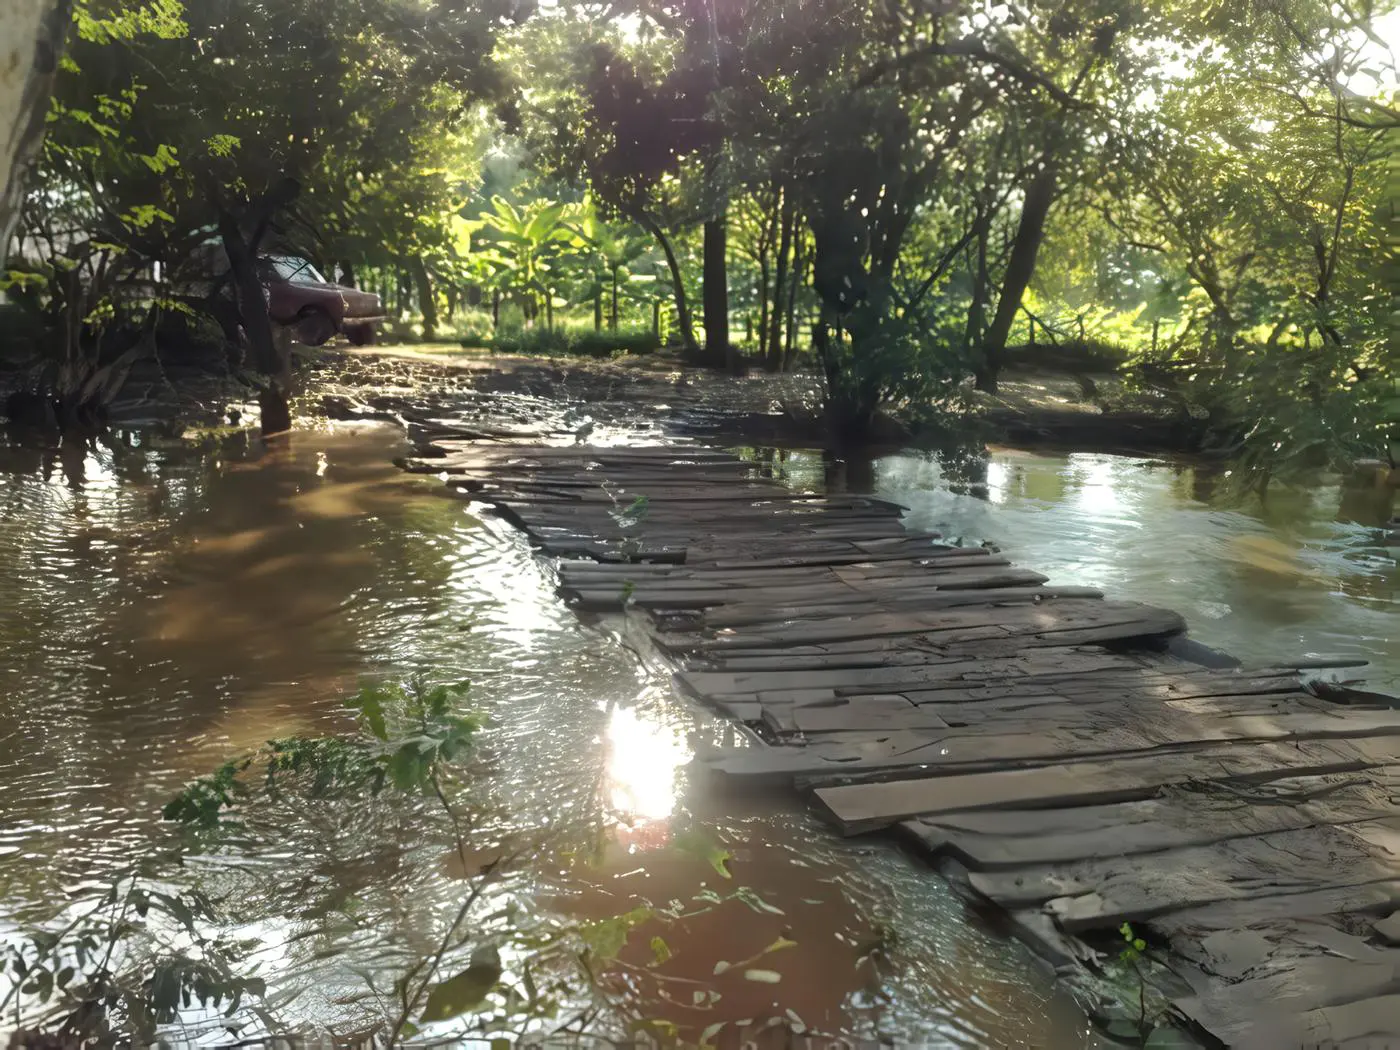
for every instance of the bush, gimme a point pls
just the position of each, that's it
(564, 342)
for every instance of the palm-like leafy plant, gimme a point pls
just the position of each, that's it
(519, 250)
(609, 256)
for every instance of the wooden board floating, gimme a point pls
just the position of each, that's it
(1040, 738)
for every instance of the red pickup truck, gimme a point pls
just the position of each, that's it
(298, 296)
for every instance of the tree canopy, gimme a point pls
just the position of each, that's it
(910, 192)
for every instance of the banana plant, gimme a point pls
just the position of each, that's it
(610, 256)
(519, 248)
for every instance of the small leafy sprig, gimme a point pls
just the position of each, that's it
(407, 735)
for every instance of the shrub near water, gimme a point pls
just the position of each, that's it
(576, 342)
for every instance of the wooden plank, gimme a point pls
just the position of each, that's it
(1331, 1003)
(934, 668)
(1155, 731)
(741, 607)
(867, 807)
(745, 612)
(1060, 622)
(998, 840)
(1369, 898)
(1103, 891)
(1047, 710)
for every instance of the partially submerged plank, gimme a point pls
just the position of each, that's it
(1064, 622)
(1102, 891)
(1002, 840)
(867, 807)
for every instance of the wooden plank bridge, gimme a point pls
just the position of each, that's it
(1041, 743)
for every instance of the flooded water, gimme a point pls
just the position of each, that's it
(1304, 574)
(170, 604)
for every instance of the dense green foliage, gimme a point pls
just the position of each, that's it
(909, 191)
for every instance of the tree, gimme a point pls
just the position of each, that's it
(606, 256)
(253, 116)
(31, 42)
(519, 245)
(620, 121)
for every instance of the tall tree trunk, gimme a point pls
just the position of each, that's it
(763, 297)
(549, 310)
(1020, 267)
(495, 308)
(427, 298)
(683, 318)
(715, 295)
(272, 360)
(799, 274)
(598, 309)
(780, 277)
(32, 33)
(612, 316)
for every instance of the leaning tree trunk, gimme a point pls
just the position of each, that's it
(427, 298)
(683, 318)
(1020, 267)
(31, 40)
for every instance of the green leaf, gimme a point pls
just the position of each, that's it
(369, 702)
(660, 950)
(698, 844)
(605, 939)
(466, 991)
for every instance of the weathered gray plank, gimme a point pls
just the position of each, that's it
(1273, 1012)
(865, 807)
(1052, 623)
(998, 840)
(1106, 890)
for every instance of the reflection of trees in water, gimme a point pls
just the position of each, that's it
(169, 600)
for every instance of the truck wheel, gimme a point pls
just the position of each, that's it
(314, 327)
(360, 335)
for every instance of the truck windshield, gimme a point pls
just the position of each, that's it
(290, 268)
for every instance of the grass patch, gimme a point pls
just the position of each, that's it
(565, 342)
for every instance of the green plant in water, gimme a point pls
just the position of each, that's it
(407, 734)
(1130, 981)
(113, 974)
(127, 961)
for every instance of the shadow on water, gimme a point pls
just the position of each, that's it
(171, 603)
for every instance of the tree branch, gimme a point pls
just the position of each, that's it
(970, 48)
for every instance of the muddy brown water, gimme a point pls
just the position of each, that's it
(169, 604)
